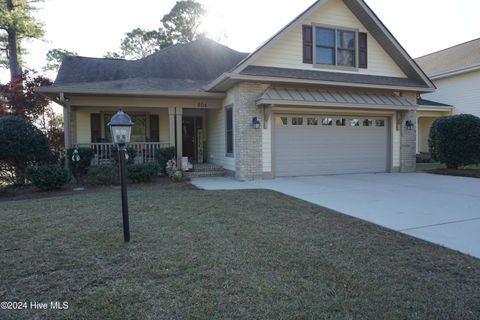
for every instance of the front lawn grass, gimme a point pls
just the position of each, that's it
(197, 254)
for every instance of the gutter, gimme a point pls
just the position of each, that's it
(435, 108)
(452, 72)
(238, 77)
(172, 94)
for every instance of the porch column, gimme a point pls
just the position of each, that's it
(417, 131)
(179, 116)
(67, 119)
(171, 125)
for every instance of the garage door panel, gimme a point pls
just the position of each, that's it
(317, 149)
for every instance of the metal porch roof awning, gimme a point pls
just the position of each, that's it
(333, 98)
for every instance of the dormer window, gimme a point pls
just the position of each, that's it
(337, 47)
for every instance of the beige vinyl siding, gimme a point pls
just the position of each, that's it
(424, 125)
(287, 52)
(216, 143)
(83, 130)
(461, 91)
(83, 126)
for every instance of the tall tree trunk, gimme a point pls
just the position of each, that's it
(15, 69)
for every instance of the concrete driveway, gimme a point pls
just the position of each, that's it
(441, 209)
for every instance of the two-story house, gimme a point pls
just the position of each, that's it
(332, 92)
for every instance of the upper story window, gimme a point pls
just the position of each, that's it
(335, 47)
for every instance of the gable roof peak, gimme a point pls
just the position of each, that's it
(371, 22)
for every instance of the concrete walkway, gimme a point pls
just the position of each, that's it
(441, 209)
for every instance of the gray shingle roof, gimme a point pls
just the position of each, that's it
(181, 67)
(331, 76)
(139, 84)
(456, 57)
(425, 102)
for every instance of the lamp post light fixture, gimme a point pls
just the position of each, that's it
(121, 131)
(255, 123)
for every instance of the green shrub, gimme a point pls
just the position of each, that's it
(48, 177)
(80, 168)
(132, 153)
(144, 172)
(163, 155)
(22, 145)
(103, 175)
(455, 140)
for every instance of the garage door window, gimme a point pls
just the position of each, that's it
(380, 123)
(297, 121)
(327, 121)
(312, 121)
(340, 122)
(354, 122)
(367, 122)
(282, 121)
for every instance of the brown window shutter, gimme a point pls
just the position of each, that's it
(362, 50)
(154, 128)
(307, 44)
(95, 127)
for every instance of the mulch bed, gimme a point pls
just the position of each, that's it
(471, 173)
(31, 192)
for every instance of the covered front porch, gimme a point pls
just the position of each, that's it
(155, 126)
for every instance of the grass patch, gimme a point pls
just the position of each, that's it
(197, 254)
(425, 167)
(471, 171)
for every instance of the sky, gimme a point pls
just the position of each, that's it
(93, 27)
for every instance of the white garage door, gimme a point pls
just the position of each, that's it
(314, 145)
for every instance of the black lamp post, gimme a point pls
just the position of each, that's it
(121, 131)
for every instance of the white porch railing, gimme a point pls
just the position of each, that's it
(103, 151)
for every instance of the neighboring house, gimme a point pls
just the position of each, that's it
(455, 72)
(332, 92)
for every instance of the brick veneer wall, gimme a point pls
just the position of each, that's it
(248, 141)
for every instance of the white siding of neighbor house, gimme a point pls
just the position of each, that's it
(82, 115)
(461, 91)
(216, 141)
(267, 146)
(287, 52)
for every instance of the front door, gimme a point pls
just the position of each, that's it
(190, 127)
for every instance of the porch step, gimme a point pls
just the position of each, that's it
(205, 170)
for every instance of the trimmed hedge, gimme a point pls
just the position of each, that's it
(163, 155)
(131, 152)
(455, 140)
(103, 175)
(48, 177)
(80, 168)
(22, 144)
(144, 172)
